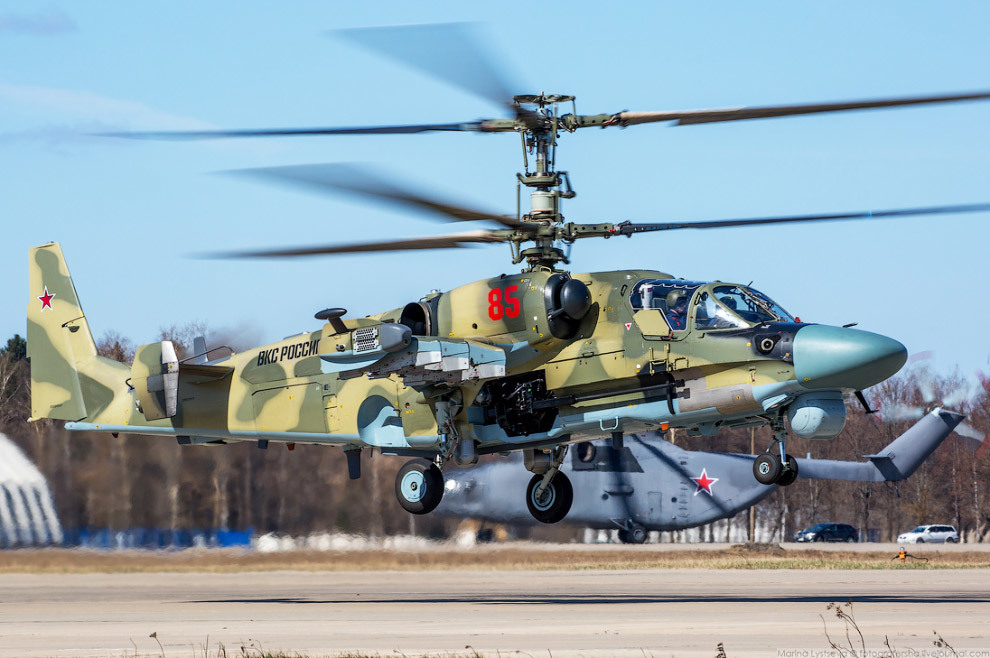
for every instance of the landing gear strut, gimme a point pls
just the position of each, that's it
(769, 468)
(549, 494)
(633, 534)
(555, 501)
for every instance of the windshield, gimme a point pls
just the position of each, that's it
(772, 305)
(733, 307)
(669, 296)
(816, 527)
(920, 528)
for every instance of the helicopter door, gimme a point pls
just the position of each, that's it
(661, 307)
(652, 324)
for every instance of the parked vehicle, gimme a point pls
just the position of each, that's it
(828, 532)
(930, 534)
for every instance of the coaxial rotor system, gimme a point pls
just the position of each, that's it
(452, 53)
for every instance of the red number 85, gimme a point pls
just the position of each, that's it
(495, 298)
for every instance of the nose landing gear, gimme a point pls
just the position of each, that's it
(555, 501)
(769, 468)
(549, 493)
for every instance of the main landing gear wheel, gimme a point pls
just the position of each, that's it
(419, 486)
(555, 502)
(789, 474)
(636, 534)
(767, 468)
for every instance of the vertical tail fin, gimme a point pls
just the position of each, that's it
(68, 380)
(905, 454)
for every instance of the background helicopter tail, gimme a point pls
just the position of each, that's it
(904, 455)
(69, 381)
(896, 461)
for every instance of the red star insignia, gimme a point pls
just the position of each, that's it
(46, 299)
(704, 482)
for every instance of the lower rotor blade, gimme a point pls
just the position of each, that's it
(690, 117)
(628, 228)
(452, 241)
(352, 179)
(181, 135)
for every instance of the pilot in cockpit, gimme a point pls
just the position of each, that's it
(677, 309)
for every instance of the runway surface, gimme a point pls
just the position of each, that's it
(567, 613)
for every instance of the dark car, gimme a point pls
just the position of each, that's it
(828, 532)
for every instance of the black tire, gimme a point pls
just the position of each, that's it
(850, 539)
(767, 468)
(637, 534)
(788, 475)
(556, 502)
(819, 538)
(920, 541)
(419, 486)
(952, 540)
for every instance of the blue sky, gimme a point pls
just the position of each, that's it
(128, 213)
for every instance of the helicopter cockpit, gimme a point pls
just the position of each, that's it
(714, 306)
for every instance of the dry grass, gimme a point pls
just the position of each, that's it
(218, 561)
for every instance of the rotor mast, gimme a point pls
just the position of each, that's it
(539, 137)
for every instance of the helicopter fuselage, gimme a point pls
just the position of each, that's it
(522, 360)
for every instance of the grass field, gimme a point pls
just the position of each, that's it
(478, 557)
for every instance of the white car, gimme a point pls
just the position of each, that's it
(930, 534)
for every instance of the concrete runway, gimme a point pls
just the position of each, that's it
(568, 613)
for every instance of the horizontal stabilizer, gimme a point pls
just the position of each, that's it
(202, 374)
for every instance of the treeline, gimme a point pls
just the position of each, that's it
(134, 481)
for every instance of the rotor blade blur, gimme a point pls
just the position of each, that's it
(450, 52)
(899, 413)
(451, 241)
(628, 228)
(975, 436)
(926, 384)
(359, 181)
(691, 117)
(180, 135)
(957, 397)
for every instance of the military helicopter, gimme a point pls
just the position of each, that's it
(652, 484)
(531, 361)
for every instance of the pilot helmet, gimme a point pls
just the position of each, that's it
(675, 297)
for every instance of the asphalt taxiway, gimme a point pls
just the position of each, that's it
(565, 613)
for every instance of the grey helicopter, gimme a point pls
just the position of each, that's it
(647, 483)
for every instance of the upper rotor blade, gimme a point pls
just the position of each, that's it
(450, 52)
(352, 179)
(178, 135)
(450, 241)
(628, 228)
(688, 117)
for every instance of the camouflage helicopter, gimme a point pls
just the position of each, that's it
(531, 361)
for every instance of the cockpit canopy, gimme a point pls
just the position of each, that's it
(710, 305)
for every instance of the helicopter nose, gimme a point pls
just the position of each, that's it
(837, 357)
